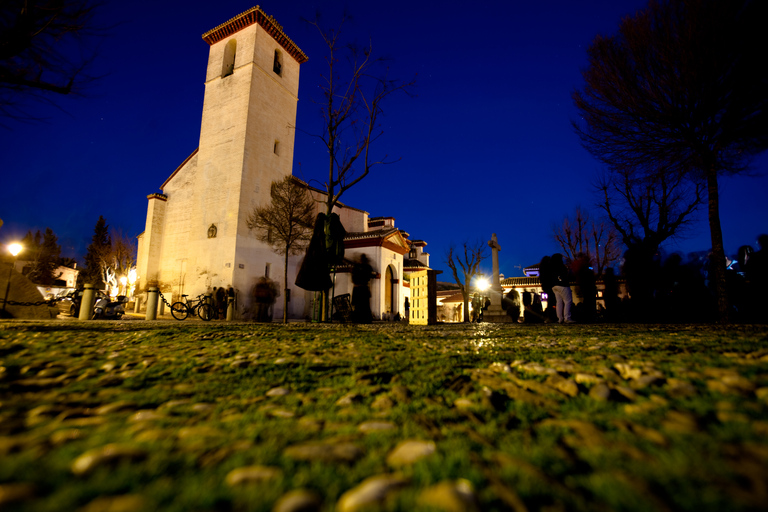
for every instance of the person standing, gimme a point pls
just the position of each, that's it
(546, 280)
(562, 288)
(362, 272)
(221, 302)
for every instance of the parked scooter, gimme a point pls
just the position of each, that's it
(109, 310)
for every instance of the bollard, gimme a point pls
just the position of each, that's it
(151, 304)
(230, 308)
(137, 304)
(162, 306)
(86, 303)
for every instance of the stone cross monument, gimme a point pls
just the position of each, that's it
(495, 313)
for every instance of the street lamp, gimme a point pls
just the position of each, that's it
(14, 249)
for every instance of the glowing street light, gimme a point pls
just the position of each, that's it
(482, 284)
(14, 249)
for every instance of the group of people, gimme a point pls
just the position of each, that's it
(219, 301)
(747, 280)
(555, 283)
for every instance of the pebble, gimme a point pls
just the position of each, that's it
(98, 457)
(450, 496)
(600, 392)
(628, 372)
(679, 421)
(464, 403)
(147, 415)
(299, 500)
(644, 381)
(124, 503)
(325, 451)
(403, 394)
(587, 378)
(628, 393)
(565, 386)
(279, 391)
(311, 424)
(63, 436)
(120, 405)
(252, 474)
(383, 403)
(376, 426)
(370, 492)
(409, 451)
(349, 399)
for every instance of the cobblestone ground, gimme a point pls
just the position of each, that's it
(138, 416)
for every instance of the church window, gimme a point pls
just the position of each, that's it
(228, 64)
(277, 66)
(270, 236)
(266, 270)
(276, 147)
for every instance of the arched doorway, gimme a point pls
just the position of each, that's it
(390, 291)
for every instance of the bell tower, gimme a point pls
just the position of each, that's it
(246, 139)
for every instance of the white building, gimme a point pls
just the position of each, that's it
(196, 237)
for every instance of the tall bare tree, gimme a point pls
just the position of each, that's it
(648, 209)
(678, 90)
(44, 49)
(598, 240)
(354, 90)
(285, 224)
(464, 263)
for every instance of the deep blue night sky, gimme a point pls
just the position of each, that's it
(485, 145)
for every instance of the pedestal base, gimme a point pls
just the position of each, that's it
(496, 315)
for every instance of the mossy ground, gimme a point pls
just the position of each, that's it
(683, 424)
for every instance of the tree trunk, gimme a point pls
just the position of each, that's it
(717, 258)
(285, 289)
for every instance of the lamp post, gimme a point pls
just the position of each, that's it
(14, 249)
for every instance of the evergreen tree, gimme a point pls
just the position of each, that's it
(42, 253)
(100, 246)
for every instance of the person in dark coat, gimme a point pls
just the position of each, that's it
(546, 280)
(362, 272)
(561, 285)
(221, 302)
(313, 274)
(511, 304)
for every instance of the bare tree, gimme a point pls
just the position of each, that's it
(118, 260)
(285, 224)
(678, 91)
(464, 263)
(650, 208)
(596, 239)
(351, 109)
(43, 49)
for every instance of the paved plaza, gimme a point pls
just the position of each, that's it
(193, 416)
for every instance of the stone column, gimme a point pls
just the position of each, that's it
(151, 313)
(86, 303)
(495, 313)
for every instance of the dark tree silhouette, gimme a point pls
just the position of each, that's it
(285, 224)
(351, 108)
(97, 253)
(464, 264)
(43, 254)
(678, 90)
(595, 238)
(43, 50)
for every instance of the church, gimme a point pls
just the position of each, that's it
(196, 235)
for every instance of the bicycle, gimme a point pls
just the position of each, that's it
(181, 310)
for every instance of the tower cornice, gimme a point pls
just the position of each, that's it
(268, 23)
